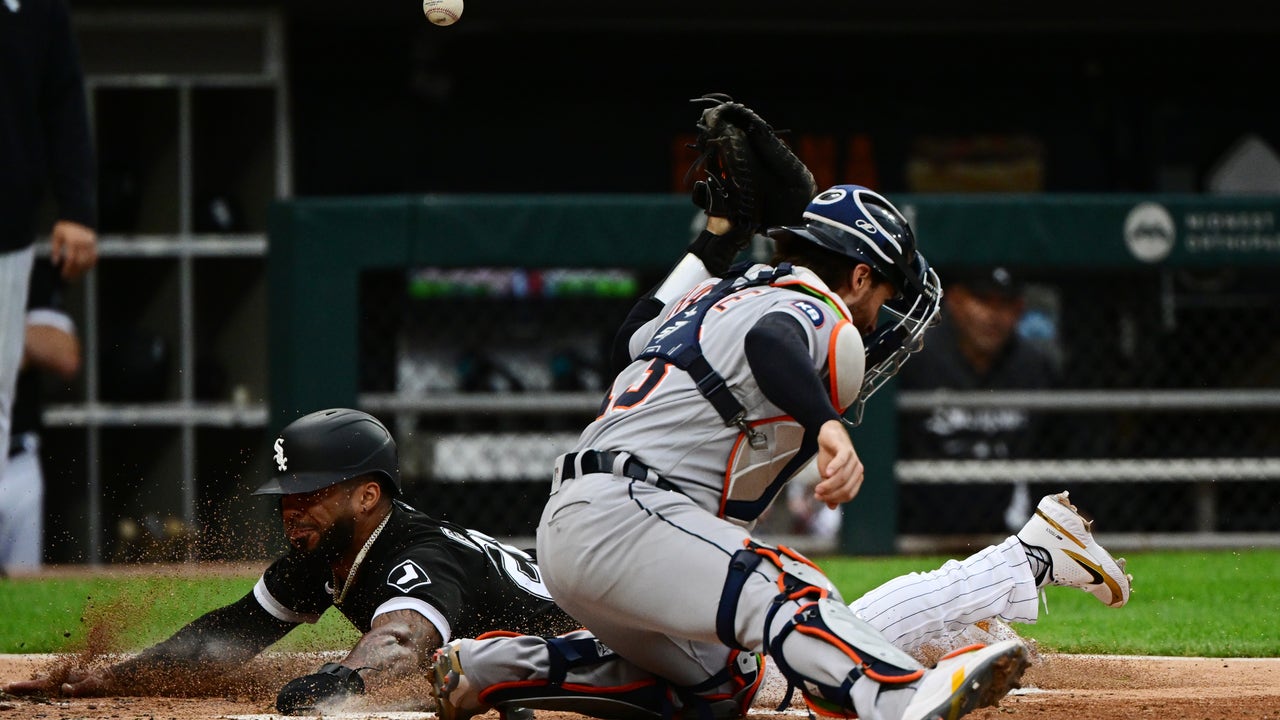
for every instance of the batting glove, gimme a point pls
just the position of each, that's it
(333, 682)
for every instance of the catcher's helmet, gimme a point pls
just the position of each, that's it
(328, 447)
(859, 223)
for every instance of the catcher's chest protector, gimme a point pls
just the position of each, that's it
(676, 342)
(764, 456)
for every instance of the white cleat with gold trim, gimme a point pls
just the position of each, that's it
(1075, 558)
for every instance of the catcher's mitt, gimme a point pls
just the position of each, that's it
(752, 177)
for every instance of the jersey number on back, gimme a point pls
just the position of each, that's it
(640, 391)
(514, 563)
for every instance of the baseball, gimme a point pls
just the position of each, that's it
(442, 12)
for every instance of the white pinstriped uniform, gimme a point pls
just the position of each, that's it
(924, 607)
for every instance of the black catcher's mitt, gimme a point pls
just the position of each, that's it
(752, 177)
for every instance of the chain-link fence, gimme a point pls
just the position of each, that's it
(1165, 421)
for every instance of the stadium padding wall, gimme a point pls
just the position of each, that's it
(319, 246)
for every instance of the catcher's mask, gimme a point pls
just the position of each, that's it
(328, 447)
(859, 223)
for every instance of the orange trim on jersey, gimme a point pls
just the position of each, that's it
(735, 297)
(646, 379)
(831, 299)
(497, 633)
(690, 297)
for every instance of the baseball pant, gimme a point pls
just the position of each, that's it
(15, 278)
(22, 508)
(644, 569)
(910, 609)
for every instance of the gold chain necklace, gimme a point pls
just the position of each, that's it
(341, 594)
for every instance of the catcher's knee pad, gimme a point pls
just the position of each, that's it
(817, 642)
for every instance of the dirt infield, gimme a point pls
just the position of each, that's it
(1057, 687)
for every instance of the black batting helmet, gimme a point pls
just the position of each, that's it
(328, 447)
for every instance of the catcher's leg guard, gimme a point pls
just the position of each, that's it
(817, 642)
(577, 673)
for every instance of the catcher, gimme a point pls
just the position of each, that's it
(729, 388)
(407, 581)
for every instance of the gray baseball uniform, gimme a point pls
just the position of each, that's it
(638, 551)
(645, 538)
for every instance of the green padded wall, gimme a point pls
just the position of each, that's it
(319, 246)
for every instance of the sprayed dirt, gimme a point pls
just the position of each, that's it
(1057, 687)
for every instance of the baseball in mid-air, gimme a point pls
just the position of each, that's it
(442, 12)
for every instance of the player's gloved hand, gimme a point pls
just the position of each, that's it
(333, 682)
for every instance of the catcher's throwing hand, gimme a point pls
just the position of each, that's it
(74, 684)
(839, 466)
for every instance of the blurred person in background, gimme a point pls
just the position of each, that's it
(44, 142)
(51, 348)
(976, 346)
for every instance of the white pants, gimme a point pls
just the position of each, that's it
(922, 607)
(15, 278)
(22, 509)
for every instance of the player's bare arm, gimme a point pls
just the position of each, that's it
(399, 644)
(838, 464)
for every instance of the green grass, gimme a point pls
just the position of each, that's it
(57, 615)
(1216, 604)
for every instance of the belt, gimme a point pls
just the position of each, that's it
(587, 462)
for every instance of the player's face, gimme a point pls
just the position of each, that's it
(322, 521)
(984, 322)
(865, 296)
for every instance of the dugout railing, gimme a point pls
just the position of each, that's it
(1114, 256)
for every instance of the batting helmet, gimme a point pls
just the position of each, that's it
(861, 224)
(328, 447)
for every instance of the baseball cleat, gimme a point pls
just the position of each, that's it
(1075, 558)
(968, 679)
(448, 684)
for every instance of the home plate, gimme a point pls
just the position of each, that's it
(361, 715)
